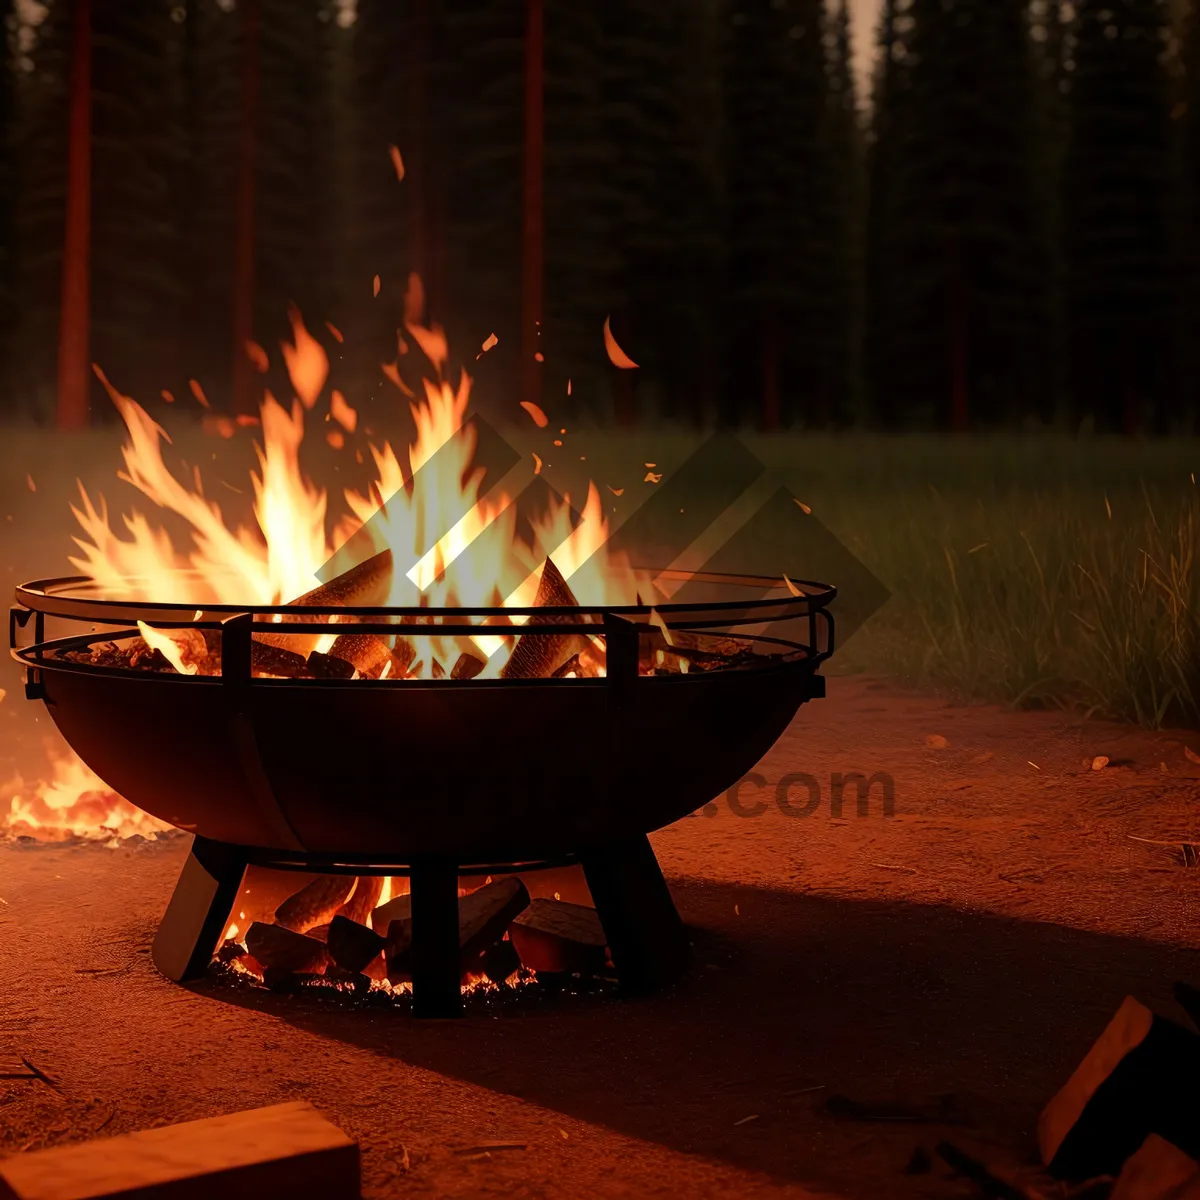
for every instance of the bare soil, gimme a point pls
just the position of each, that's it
(973, 943)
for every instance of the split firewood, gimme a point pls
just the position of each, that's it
(326, 666)
(570, 667)
(283, 949)
(436, 670)
(1138, 1079)
(364, 651)
(398, 908)
(485, 914)
(366, 585)
(351, 945)
(320, 932)
(467, 666)
(397, 950)
(1158, 1171)
(403, 653)
(538, 656)
(552, 935)
(500, 961)
(364, 898)
(315, 903)
(269, 659)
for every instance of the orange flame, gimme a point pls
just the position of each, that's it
(434, 519)
(76, 803)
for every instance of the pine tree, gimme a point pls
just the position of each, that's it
(1050, 31)
(1116, 214)
(39, 214)
(136, 137)
(1187, 113)
(842, 150)
(8, 281)
(205, 191)
(965, 300)
(483, 147)
(775, 88)
(885, 167)
(661, 125)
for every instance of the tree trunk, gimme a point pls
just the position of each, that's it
(771, 409)
(533, 232)
(959, 415)
(74, 377)
(244, 398)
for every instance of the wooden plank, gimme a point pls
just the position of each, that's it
(1138, 1079)
(1158, 1171)
(283, 1150)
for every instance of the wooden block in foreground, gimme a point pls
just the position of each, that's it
(1139, 1078)
(287, 1150)
(1158, 1171)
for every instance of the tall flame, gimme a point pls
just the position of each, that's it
(458, 530)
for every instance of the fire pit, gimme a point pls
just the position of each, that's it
(205, 719)
(444, 707)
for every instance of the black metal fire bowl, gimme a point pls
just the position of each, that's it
(430, 778)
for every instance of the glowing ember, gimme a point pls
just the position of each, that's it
(616, 355)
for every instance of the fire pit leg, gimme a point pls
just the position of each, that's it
(200, 907)
(436, 972)
(649, 945)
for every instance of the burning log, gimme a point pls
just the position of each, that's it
(364, 651)
(281, 949)
(366, 585)
(538, 656)
(552, 935)
(191, 644)
(484, 916)
(500, 961)
(316, 903)
(268, 659)
(398, 908)
(1138, 1079)
(364, 898)
(353, 946)
(467, 666)
(328, 666)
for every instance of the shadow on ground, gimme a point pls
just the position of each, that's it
(795, 998)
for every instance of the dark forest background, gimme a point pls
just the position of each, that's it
(1006, 232)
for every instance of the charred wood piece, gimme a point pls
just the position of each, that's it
(538, 656)
(281, 949)
(315, 903)
(353, 946)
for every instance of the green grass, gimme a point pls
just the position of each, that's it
(1033, 572)
(1028, 570)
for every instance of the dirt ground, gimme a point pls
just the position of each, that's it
(973, 943)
